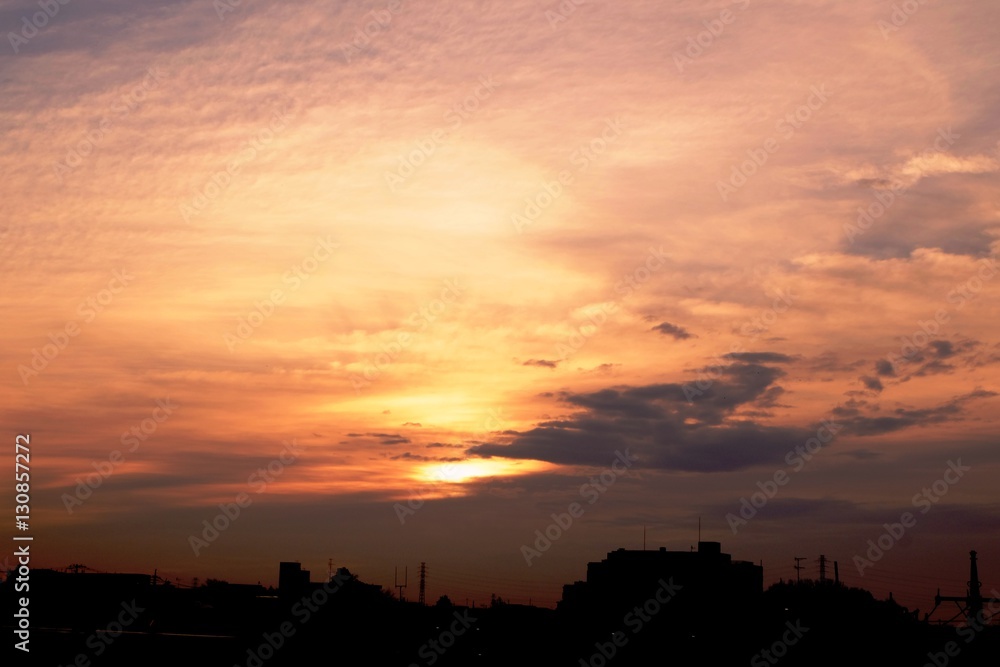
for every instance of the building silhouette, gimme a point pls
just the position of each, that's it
(707, 577)
(292, 579)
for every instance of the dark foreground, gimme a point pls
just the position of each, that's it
(347, 622)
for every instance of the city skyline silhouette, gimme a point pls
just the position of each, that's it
(487, 301)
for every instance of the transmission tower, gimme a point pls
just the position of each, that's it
(970, 605)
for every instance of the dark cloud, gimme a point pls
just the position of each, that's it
(668, 426)
(604, 368)
(697, 427)
(961, 352)
(945, 216)
(872, 383)
(668, 329)
(705, 401)
(830, 362)
(769, 399)
(383, 438)
(934, 367)
(944, 348)
(902, 418)
(407, 456)
(884, 368)
(760, 357)
(544, 363)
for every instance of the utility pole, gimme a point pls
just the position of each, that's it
(400, 586)
(798, 569)
(423, 579)
(822, 569)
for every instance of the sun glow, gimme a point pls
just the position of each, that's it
(458, 472)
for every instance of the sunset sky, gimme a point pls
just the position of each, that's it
(441, 265)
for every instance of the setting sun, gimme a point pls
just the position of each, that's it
(458, 472)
